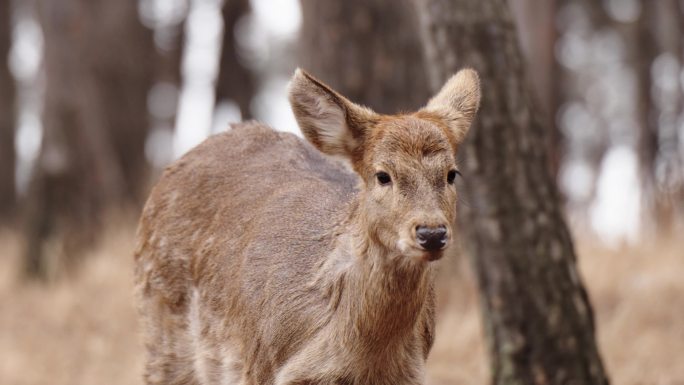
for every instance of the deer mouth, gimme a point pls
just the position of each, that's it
(430, 256)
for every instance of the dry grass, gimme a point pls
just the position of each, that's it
(80, 330)
(83, 330)
(638, 295)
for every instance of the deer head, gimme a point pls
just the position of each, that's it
(406, 162)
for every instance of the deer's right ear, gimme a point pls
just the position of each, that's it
(328, 120)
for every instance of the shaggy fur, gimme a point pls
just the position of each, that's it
(262, 261)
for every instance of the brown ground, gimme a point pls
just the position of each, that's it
(82, 329)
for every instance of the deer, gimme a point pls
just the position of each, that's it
(266, 259)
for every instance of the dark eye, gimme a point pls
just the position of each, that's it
(383, 178)
(451, 176)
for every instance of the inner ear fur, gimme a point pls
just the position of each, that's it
(328, 120)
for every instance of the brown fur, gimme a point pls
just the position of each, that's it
(262, 261)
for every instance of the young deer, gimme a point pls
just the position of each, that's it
(262, 261)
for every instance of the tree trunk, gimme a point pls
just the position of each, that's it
(235, 80)
(538, 36)
(169, 67)
(123, 53)
(7, 117)
(94, 120)
(368, 51)
(677, 136)
(644, 52)
(537, 313)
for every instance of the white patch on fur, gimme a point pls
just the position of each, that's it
(231, 366)
(408, 249)
(195, 234)
(173, 199)
(195, 328)
(403, 245)
(211, 365)
(162, 243)
(209, 241)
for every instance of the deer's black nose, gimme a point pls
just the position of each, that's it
(431, 238)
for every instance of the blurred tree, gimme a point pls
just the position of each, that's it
(675, 138)
(7, 117)
(658, 37)
(235, 80)
(644, 52)
(588, 20)
(170, 59)
(367, 50)
(537, 313)
(97, 69)
(123, 67)
(170, 39)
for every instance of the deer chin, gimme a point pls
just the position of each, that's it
(431, 256)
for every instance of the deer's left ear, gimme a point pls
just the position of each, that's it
(457, 102)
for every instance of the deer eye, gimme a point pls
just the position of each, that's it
(383, 178)
(451, 176)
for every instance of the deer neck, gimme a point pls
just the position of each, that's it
(377, 296)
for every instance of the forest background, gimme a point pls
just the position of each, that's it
(583, 107)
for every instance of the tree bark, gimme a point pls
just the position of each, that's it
(235, 80)
(367, 50)
(7, 117)
(538, 36)
(537, 314)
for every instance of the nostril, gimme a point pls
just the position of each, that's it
(431, 238)
(421, 232)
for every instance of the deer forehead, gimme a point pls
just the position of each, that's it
(410, 142)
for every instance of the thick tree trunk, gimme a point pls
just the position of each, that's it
(537, 314)
(7, 117)
(235, 80)
(367, 50)
(538, 36)
(95, 124)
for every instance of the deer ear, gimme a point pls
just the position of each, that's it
(457, 102)
(329, 121)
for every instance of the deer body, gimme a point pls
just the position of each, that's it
(262, 261)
